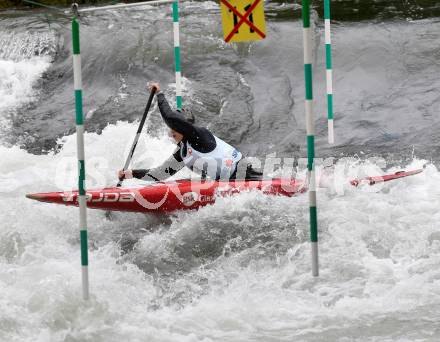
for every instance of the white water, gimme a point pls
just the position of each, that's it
(17, 79)
(235, 271)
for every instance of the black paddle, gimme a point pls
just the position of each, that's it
(138, 134)
(135, 141)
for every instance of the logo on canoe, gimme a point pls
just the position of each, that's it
(100, 197)
(189, 198)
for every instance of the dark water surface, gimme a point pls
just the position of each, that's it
(251, 94)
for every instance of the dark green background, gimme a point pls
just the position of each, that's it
(352, 10)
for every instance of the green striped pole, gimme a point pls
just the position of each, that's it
(307, 43)
(177, 54)
(329, 74)
(80, 152)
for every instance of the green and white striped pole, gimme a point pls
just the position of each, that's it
(329, 74)
(80, 152)
(177, 54)
(310, 124)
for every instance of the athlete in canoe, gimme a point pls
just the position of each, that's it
(198, 149)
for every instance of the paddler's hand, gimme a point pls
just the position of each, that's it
(125, 174)
(152, 85)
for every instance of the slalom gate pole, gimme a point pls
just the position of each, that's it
(310, 124)
(80, 153)
(177, 54)
(329, 74)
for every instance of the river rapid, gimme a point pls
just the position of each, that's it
(238, 270)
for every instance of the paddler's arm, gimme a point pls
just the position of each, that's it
(168, 168)
(174, 119)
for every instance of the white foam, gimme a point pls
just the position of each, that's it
(17, 80)
(378, 253)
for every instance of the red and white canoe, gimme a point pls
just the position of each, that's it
(187, 194)
(384, 178)
(169, 196)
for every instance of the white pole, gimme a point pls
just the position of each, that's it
(310, 125)
(329, 72)
(177, 54)
(81, 161)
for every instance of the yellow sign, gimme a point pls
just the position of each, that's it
(243, 20)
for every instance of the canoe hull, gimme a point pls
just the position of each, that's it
(170, 196)
(187, 195)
